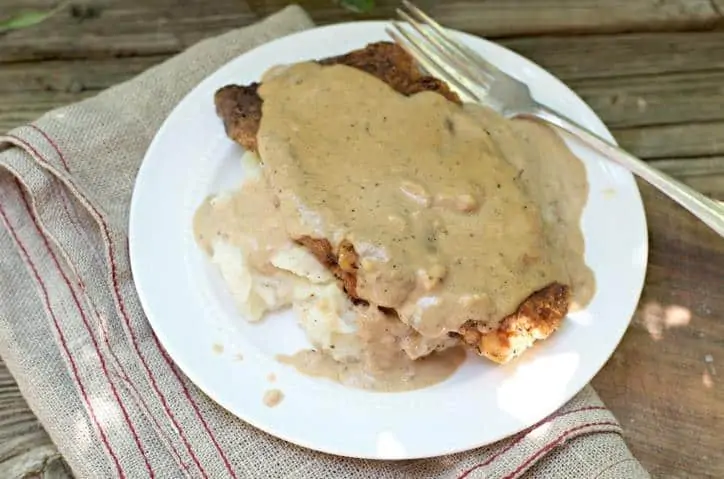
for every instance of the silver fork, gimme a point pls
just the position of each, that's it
(479, 81)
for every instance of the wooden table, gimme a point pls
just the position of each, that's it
(652, 69)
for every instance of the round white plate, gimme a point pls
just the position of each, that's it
(192, 313)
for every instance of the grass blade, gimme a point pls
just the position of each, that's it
(28, 19)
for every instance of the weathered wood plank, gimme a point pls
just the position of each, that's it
(674, 141)
(136, 27)
(525, 17)
(675, 339)
(22, 108)
(25, 447)
(655, 99)
(120, 28)
(595, 56)
(635, 55)
(500, 18)
(27, 90)
(71, 76)
(703, 174)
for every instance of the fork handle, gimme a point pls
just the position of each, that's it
(706, 209)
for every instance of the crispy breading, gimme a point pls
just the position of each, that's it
(240, 108)
(536, 318)
(342, 263)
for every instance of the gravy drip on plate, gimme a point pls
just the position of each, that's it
(384, 364)
(273, 397)
(447, 227)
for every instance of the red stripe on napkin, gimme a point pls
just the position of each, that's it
(122, 308)
(556, 442)
(124, 375)
(88, 328)
(64, 345)
(523, 434)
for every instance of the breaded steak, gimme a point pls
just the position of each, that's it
(240, 108)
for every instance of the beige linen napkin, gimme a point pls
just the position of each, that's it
(74, 336)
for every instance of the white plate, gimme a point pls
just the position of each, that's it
(190, 310)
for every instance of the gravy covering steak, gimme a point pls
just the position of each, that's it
(240, 106)
(456, 221)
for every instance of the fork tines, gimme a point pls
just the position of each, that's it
(439, 53)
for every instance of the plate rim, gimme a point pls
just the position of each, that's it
(199, 383)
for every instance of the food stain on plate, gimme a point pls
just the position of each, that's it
(273, 397)
(609, 193)
(217, 348)
(271, 377)
(238, 357)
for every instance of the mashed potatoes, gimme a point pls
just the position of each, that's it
(245, 236)
(292, 277)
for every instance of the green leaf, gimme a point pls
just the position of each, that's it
(358, 6)
(28, 19)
